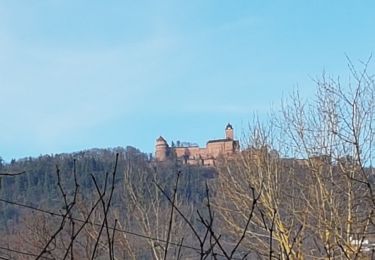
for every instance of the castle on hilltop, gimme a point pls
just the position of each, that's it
(193, 154)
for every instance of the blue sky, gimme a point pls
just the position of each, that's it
(81, 74)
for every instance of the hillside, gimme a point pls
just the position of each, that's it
(38, 185)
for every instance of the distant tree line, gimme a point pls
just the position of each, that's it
(301, 188)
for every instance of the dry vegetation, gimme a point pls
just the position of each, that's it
(302, 188)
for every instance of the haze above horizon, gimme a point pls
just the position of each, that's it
(76, 75)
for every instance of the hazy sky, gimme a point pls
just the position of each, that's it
(81, 74)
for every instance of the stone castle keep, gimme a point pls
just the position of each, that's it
(195, 155)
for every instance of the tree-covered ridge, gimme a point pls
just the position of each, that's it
(302, 188)
(37, 186)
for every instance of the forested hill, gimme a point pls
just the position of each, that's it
(38, 185)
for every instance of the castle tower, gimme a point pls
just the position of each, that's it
(229, 132)
(161, 149)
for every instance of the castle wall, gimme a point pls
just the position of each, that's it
(212, 150)
(180, 151)
(197, 155)
(161, 149)
(229, 133)
(209, 162)
(223, 147)
(203, 152)
(191, 152)
(161, 153)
